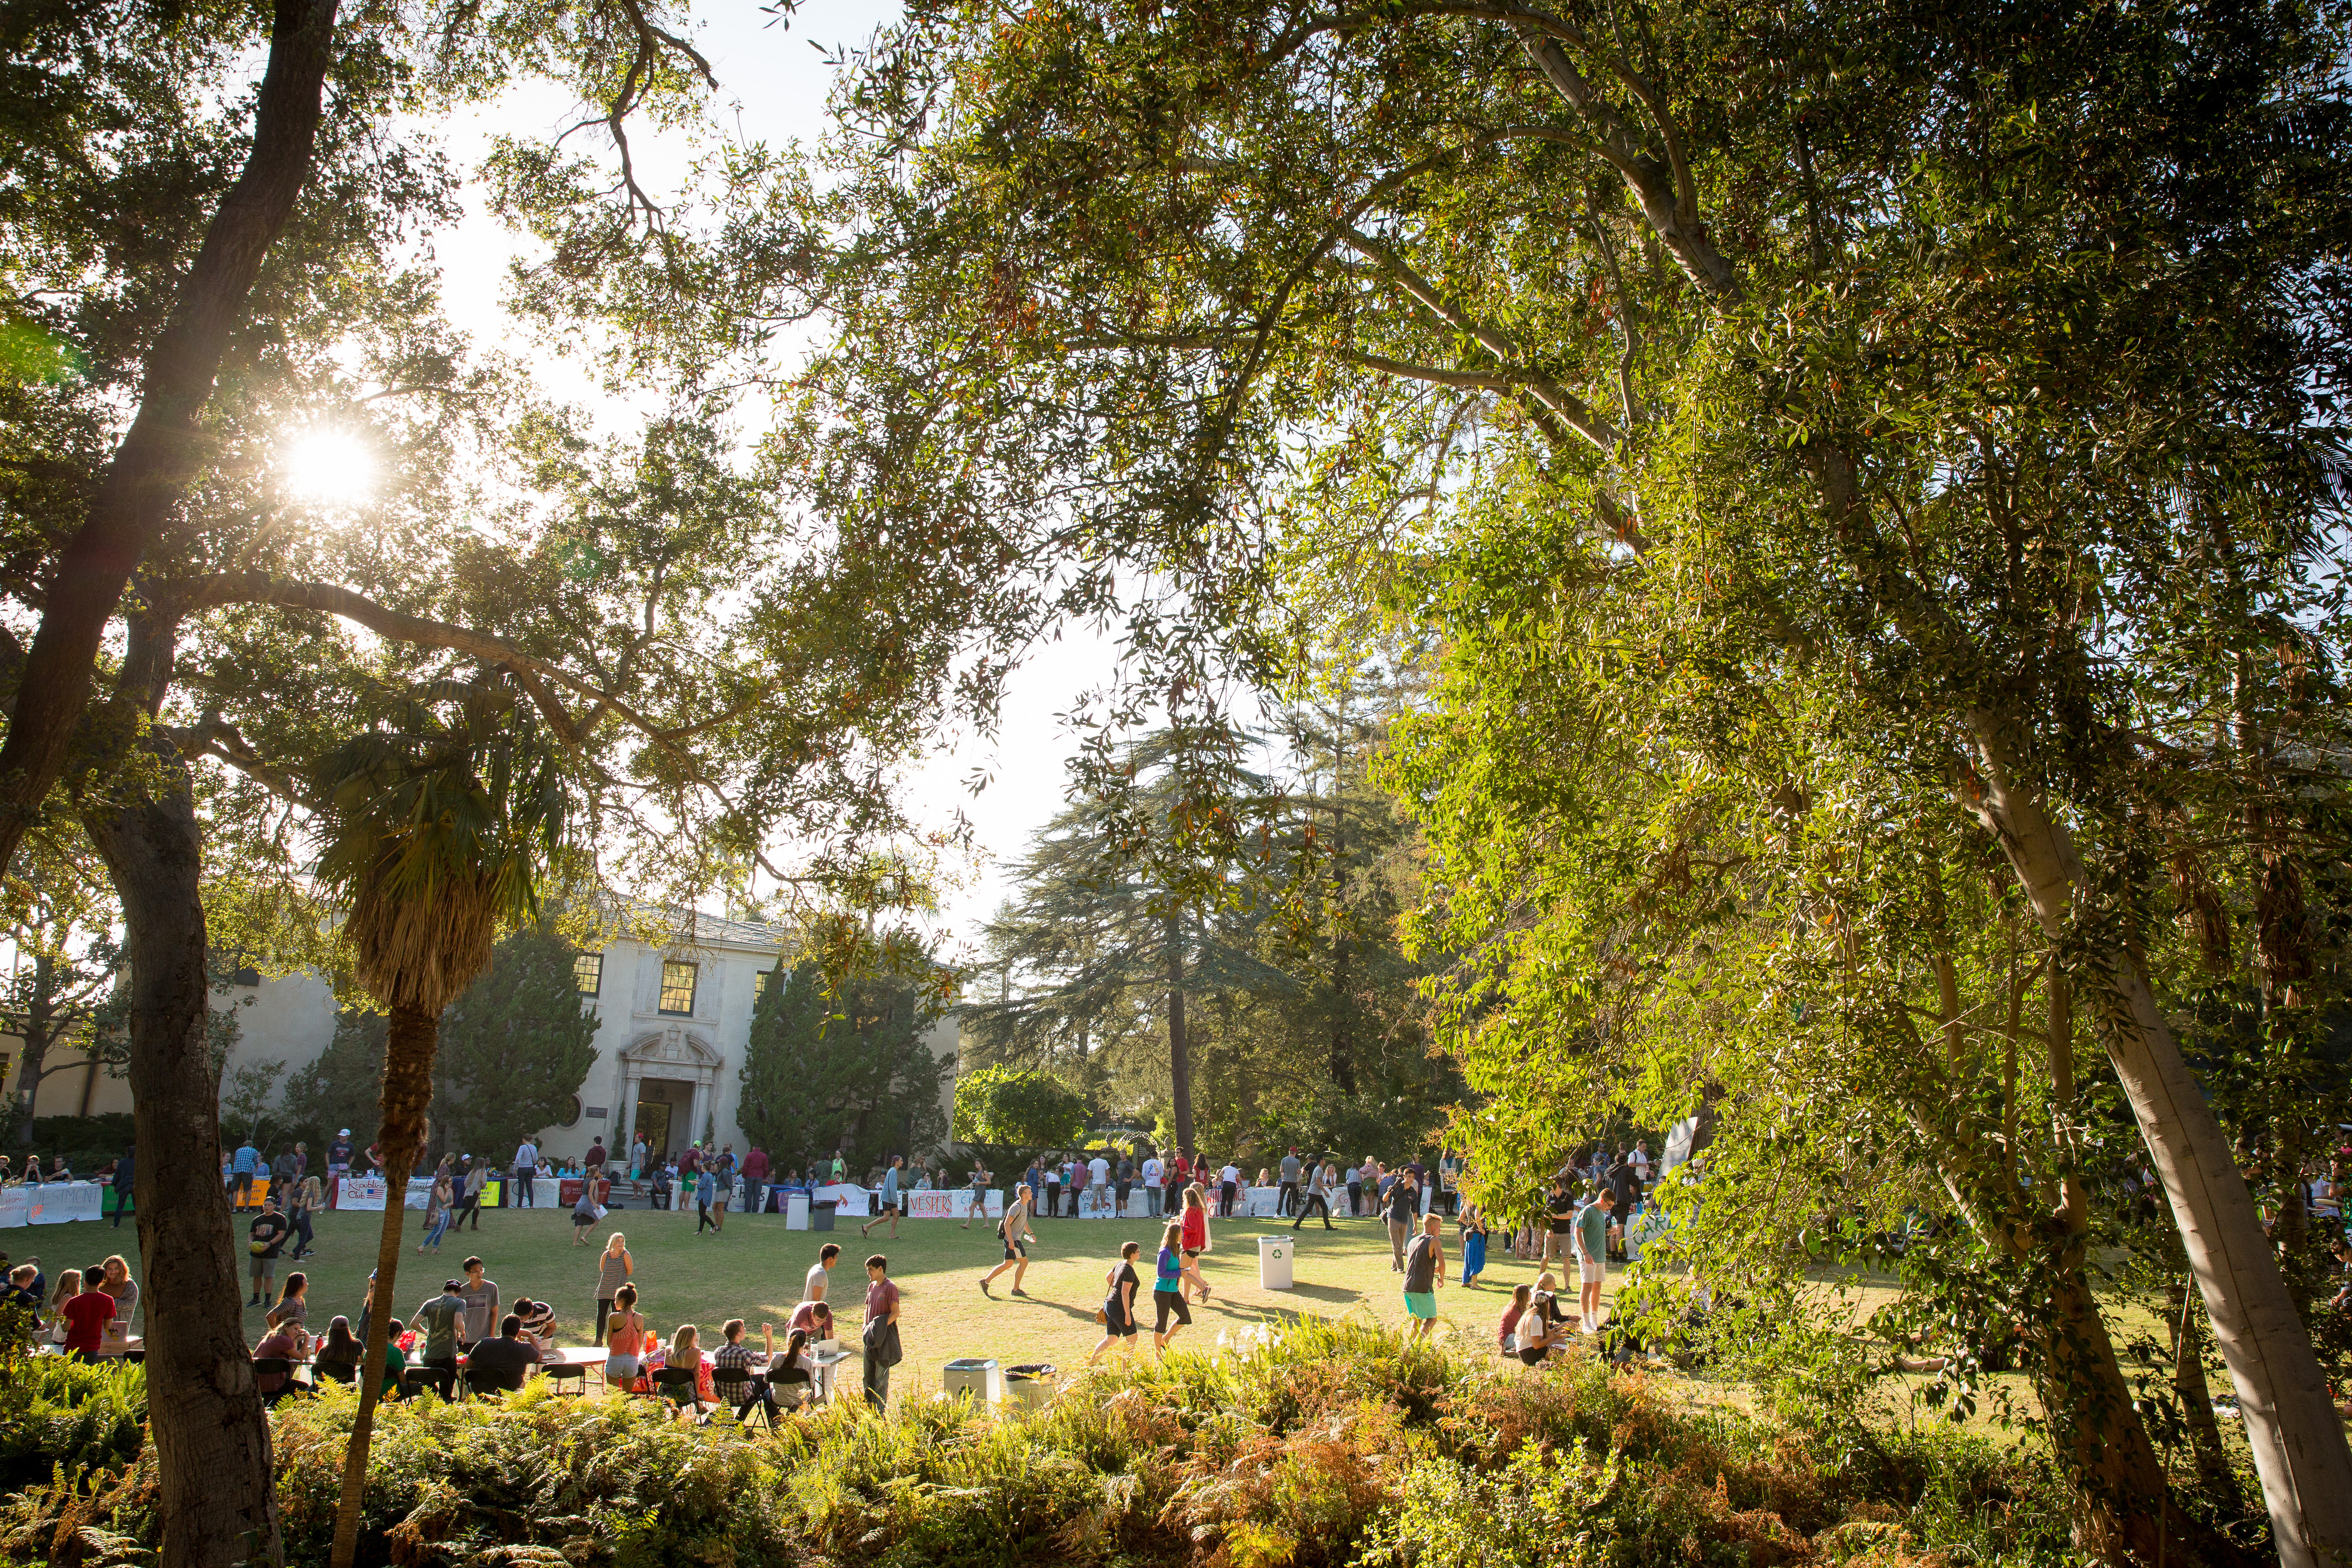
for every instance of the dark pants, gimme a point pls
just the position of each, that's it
(1287, 1198)
(121, 1202)
(302, 1235)
(1314, 1202)
(1053, 1199)
(877, 1382)
(702, 1217)
(1076, 1193)
(468, 1208)
(1225, 1193)
(526, 1190)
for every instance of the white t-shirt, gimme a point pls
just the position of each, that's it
(1229, 1173)
(1099, 1168)
(818, 1278)
(1152, 1172)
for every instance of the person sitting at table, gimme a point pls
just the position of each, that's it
(283, 1342)
(87, 1316)
(341, 1349)
(734, 1356)
(23, 1292)
(53, 1325)
(502, 1363)
(293, 1308)
(686, 1350)
(538, 1323)
(119, 1284)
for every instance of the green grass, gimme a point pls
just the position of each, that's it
(754, 1270)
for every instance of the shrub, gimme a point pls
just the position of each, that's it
(67, 1417)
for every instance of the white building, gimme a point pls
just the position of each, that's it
(675, 1019)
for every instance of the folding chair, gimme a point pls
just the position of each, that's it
(732, 1384)
(335, 1372)
(275, 1366)
(558, 1373)
(441, 1380)
(668, 1380)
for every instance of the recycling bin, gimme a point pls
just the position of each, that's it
(1274, 1262)
(976, 1376)
(1029, 1387)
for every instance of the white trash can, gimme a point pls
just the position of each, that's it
(977, 1376)
(1274, 1262)
(796, 1211)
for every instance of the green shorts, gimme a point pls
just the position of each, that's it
(1420, 1303)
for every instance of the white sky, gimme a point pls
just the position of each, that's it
(772, 85)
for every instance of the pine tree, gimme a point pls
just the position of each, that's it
(843, 1072)
(339, 1087)
(515, 1049)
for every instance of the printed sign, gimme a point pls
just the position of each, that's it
(60, 1202)
(360, 1193)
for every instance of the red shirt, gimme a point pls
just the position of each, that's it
(87, 1316)
(1196, 1228)
(1184, 1169)
(881, 1297)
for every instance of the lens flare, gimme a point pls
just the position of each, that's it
(331, 467)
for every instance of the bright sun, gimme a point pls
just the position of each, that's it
(330, 467)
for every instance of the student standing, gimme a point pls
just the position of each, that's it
(122, 1183)
(436, 1213)
(1400, 1209)
(613, 1267)
(1014, 1232)
(705, 1185)
(1169, 1313)
(439, 1320)
(584, 1215)
(820, 1276)
(882, 1350)
(481, 1298)
(624, 1333)
(1560, 1226)
(264, 1240)
(1119, 1306)
(1287, 1198)
(526, 1175)
(1229, 1184)
(1155, 1172)
(1474, 1245)
(469, 1196)
(1593, 1247)
(980, 1180)
(1052, 1187)
(308, 1200)
(1424, 1271)
(1357, 1176)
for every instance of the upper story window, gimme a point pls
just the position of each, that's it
(760, 983)
(677, 987)
(588, 973)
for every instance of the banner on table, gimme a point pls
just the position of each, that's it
(15, 1210)
(850, 1200)
(60, 1202)
(1262, 1202)
(360, 1193)
(419, 1194)
(932, 1205)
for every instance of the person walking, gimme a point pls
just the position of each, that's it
(1318, 1201)
(585, 1215)
(613, 1267)
(469, 1199)
(880, 1338)
(1195, 1234)
(891, 1181)
(1402, 1205)
(723, 1187)
(1424, 1271)
(1169, 1312)
(980, 1180)
(264, 1238)
(1118, 1311)
(122, 1183)
(526, 1175)
(436, 1213)
(309, 1198)
(1474, 1245)
(1287, 1196)
(1592, 1255)
(1014, 1232)
(706, 1184)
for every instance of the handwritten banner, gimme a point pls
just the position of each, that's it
(57, 1203)
(15, 1211)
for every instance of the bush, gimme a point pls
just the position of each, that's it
(1325, 1445)
(67, 1417)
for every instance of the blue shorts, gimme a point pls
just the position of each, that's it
(1420, 1303)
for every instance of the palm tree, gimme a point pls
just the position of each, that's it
(439, 822)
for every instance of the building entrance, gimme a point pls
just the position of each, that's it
(663, 1106)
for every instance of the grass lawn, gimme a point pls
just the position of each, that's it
(755, 1271)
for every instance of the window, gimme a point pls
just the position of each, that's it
(677, 987)
(760, 983)
(588, 973)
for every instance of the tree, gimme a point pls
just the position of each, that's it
(1021, 1112)
(442, 823)
(1774, 369)
(246, 1101)
(515, 1047)
(841, 1071)
(63, 992)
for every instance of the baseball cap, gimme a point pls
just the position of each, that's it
(452, 1284)
(344, 1133)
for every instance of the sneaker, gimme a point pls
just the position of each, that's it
(1018, 1292)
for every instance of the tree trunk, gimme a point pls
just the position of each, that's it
(158, 458)
(411, 1037)
(1180, 1064)
(34, 1034)
(2291, 1425)
(212, 1439)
